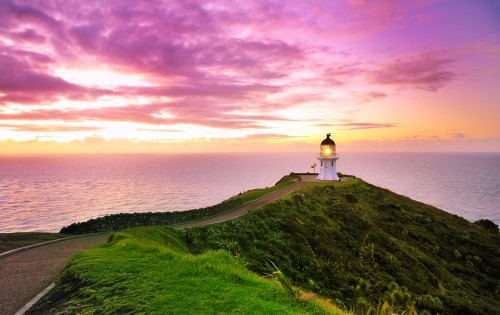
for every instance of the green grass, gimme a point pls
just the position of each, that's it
(254, 194)
(369, 249)
(123, 221)
(10, 241)
(150, 271)
(363, 245)
(345, 182)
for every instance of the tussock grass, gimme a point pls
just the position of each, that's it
(255, 194)
(363, 245)
(150, 271)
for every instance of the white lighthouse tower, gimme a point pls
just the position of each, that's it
(328, 160)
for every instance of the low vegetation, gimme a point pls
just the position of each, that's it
(122, 221)
(150, 271)
(10, 241)
(258, 193)
(368, 250)
(364, 246)
(488, 225)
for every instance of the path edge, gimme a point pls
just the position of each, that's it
(20, 249)
(243, 204)
(37, 298)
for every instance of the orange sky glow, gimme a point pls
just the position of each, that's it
(226, 76)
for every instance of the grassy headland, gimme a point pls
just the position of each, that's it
(122, 221)
(150, 271)
(361, 244)
(350, 242)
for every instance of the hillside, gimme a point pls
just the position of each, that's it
(150, 271)
(350, 242)
(361, 244)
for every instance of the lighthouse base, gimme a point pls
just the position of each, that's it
(328, 170)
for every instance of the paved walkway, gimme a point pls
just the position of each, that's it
(26, 273)
(244, 208)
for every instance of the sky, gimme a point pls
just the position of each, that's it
(121, 76)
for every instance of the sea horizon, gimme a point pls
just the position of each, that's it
(47, 192)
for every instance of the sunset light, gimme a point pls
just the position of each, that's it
(249, 157)
(142, 77)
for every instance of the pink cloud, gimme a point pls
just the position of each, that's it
(375, 95)
(27, 35)
(16, 76)
(184, 112)
(24, 78)
(14, 12)
(267, 136)
(48, 128)
(360, 125)
(217, 63)
(425, 71)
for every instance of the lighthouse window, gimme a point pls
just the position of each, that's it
(332, 163)
(321, 163)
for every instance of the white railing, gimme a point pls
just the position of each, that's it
(329, 156)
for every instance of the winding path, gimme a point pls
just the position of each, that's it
(243, 209)
(25, 273)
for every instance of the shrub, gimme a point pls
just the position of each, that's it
(351, 198)
(488, 224)
(123, 221)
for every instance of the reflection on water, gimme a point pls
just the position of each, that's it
(46, 193)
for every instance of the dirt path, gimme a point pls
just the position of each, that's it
(26, 273)
(244, 208)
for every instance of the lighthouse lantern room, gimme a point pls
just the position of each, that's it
(328, 160)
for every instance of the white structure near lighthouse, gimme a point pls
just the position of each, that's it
(328, 160)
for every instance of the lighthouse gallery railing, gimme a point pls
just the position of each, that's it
(329, 156)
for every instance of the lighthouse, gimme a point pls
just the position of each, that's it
(328, 160)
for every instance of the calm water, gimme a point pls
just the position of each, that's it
(46, 193)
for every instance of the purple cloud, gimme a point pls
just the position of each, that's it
(217, 63)
(426, 72)
(48, 128)
(16, 76)
(267, 136)
(183, 112)
(360, 125)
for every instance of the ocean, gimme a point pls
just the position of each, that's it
(45, 193)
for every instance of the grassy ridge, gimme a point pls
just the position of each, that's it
(150, 271)
(348, 241)
(122, 221)
(258, 193)
(362, 244)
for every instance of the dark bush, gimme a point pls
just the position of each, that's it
(351, 198)
(123, 221)
(487, 224)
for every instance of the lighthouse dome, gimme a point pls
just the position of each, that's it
(328, 141)
(327, 147)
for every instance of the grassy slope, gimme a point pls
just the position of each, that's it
(150, 271)
(363, 244)
(258, 193)
(122, 221)
(10, 241)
